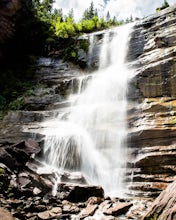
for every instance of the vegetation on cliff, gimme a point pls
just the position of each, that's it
(39, 27)
(164, 5)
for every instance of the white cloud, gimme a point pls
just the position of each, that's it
(120, 8)
(79, 6)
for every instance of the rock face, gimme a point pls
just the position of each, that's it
(152, 111)
(151, 163)
(8, 10)
(152, 47)
(28, 194)
(164, 207)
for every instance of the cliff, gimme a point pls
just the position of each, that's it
(152, 113)
(152, 108)
(151, 165)
(8, 13)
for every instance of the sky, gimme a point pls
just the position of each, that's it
(122, 9)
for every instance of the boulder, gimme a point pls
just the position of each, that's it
(80, 193)
(5, 215)
(164, 207)
(17, 155)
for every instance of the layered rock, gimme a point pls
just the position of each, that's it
(28, 193)
(164, 207)
(151, 119)
(152, 125)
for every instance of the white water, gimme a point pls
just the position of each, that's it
(92, 138)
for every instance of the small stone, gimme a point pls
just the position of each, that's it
(56, 210)
(94, 200)
(69, 207)
(36, 191)
(88, 211)
(53, 213)
(118, 209)
(44, 215)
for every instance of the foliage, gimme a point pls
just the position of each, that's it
(38, 25)
(19, 52)
(164, 5)
(16, 104)
(65, 28)
(72, 48)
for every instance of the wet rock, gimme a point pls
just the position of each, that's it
(81, 193)
(152, 51)
(75, 177)
(118, 209)
(32, 147)
(88, 211)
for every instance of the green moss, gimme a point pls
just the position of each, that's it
(9, 191)
(2, 171)
(16, 104)
(29, 92)
(11, 195)
(152, 217)
(171, 121)
(84, 44)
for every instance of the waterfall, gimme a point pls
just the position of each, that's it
(91, 137)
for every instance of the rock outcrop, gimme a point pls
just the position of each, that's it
(151, 141)
(164, 207)
(152, 95)
(8, 10)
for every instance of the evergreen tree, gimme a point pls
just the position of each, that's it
(164, 5)
(90, 12)
(71, 14)
(47, 5)
(108, 17)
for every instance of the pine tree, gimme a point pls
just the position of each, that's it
(108, 17)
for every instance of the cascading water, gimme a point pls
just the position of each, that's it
(91, 138)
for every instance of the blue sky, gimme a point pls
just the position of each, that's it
(120, 8)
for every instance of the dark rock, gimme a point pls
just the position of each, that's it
(80, 193)
(7, 159)
(17, 155)
(32, 147)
